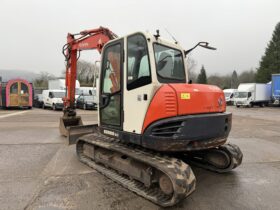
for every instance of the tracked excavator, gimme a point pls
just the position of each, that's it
(152, 122)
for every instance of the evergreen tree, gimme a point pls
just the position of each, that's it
(234, 80)
(202, 78)
(270, 62)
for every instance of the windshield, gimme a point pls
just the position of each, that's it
(58, 94)
(227, 94)
(169, 64)
(241, 95)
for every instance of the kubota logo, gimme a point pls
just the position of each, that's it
(83, 44)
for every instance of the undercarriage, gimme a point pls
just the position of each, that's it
(161, 178)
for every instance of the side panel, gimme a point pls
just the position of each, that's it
(276, 86)
(136, 107)
(262, 92)
(173, 100)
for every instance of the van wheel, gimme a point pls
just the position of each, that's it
(237, 106)
(251, 105)
(261, 104)
(85, 106)
(53, 107)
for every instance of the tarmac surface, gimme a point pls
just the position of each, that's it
(38, 170)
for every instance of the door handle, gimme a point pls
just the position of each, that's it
(105, 100)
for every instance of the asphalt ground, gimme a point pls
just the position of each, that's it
(38, 170)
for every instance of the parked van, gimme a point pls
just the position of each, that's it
(250, 94)
(87, 91)
(59, 84)
(229, 95)
(53, 99)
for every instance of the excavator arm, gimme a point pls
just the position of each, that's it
(85, 40)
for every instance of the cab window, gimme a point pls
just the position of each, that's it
(138, 68)
(169, 64)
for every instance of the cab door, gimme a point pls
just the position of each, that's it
(111, 88)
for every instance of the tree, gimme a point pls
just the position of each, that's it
(221, 81)
(234, 80)
(247, 76)
(270, 62)
(42, 80)
(86, 72)
(202, 77)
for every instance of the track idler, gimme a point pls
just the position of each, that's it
(221, 159)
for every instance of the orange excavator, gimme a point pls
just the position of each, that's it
(152, 122)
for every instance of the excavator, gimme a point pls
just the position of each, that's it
(153, 123)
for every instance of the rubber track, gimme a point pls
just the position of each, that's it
(180, 173)
(232, 150)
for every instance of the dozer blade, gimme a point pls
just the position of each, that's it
(73, 128)
(66, 122)
(74, 132)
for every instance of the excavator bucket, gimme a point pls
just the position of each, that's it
(73, 128)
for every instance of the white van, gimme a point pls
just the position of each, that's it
(229, 95)
(87, 91)
(59, 84)
(53, 99)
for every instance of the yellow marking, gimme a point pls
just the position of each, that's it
(185, 96)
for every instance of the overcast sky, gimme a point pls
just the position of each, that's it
(33, 31)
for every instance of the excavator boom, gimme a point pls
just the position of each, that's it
(85, 40)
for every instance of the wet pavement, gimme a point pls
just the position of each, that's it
(38, 170)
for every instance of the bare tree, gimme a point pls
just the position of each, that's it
(86, 72)
(42, 80)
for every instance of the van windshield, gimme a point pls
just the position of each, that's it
(227, 94)
(241, 95)
(58, 94)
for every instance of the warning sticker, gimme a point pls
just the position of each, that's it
(185, 96)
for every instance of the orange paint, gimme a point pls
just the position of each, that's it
(173, 100)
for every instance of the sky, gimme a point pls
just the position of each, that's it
(32, 32)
